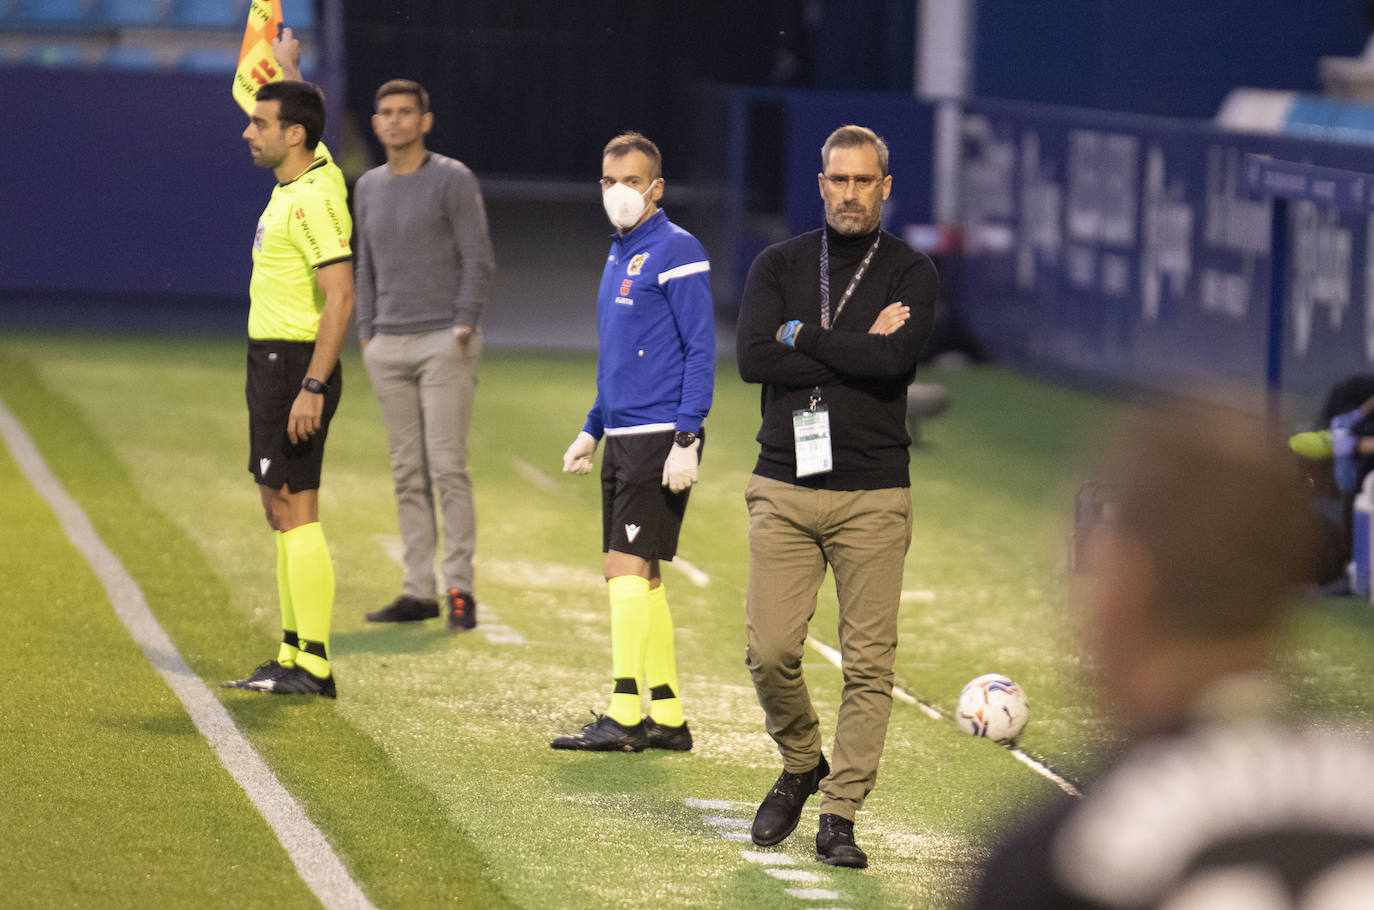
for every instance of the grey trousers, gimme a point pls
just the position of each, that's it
(794, 533)
(425, 383)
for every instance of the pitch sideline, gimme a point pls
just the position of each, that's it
(315, 860)
(901, 694)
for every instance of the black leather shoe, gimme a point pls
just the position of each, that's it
(781, 809)
(835, 843)
(405, 609)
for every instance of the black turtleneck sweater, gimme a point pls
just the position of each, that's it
(862, 377)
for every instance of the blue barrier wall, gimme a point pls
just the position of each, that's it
(1127, 247)
(125, 183)
(1175, 58)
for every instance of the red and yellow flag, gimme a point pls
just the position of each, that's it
(257, 66)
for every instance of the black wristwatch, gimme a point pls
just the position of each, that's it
(686, 440)
(313, 386)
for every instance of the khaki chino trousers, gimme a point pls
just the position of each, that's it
(794, 534)
(425, 383)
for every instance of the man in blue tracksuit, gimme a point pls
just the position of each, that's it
(654, 377)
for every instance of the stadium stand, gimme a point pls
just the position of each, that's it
(53, 55)
(49, 12)
(208, 13)
(120, 13)
(129, 57)
(299, 14)
(209, 60)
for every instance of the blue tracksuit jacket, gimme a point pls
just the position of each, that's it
(656, 364)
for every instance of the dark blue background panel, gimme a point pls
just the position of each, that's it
(1129, 247)
(143, 186)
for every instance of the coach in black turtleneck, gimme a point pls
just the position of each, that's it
(863, 377)
(846, 347)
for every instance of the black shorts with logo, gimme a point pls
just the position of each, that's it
(275, 371)
(639, 515)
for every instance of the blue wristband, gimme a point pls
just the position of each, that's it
(789, 332)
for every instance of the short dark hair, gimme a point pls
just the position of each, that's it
(403, 87)
(636, 142)
(1218, 504)
(301, 103)
(848, 137)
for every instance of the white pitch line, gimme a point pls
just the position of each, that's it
(918, 597)
(795, 875)
(533, 474)
(1045, 771)
(768, 859)
(315, 861)
(726, 821)
(813, 894)
(694, 575)
(898, 692)
(722, 804)
(737, 836)
(901, 694)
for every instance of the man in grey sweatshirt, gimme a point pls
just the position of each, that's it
(424, 262)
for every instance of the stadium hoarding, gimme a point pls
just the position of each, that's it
(1131, 248)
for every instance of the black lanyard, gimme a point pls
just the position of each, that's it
(826, 319)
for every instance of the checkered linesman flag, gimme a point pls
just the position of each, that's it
(257, 66)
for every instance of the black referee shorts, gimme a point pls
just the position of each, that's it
(275, 371)
(639, 515)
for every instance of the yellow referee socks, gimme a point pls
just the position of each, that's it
(660, 667)
(286, 652)
(629, 596)
(310, 577)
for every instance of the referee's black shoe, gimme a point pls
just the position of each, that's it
(661, 736)
(296, 681)
(405, 609)
(264, 671)
(605, 735)
(781, 809)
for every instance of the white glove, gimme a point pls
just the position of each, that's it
(680, 470)
(578, 458)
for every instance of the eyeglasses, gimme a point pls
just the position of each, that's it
(861, 182)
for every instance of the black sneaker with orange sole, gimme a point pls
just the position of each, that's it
(462, 611)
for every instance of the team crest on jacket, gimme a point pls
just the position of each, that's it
(637, 264)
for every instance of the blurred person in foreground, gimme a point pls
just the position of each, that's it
(831, 324)
(1216, 800)
(655, 375)
(424, 266)
(301, 297)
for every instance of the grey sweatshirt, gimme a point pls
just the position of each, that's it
(422, 252)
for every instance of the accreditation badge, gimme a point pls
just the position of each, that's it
(811, 432)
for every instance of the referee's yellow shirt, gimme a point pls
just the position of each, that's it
(306, 225)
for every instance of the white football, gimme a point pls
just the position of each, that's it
(994, 707)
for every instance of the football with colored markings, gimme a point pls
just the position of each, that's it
(994, 707)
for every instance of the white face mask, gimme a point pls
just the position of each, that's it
(624, 206)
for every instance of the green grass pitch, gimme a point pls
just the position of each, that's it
(431, 776)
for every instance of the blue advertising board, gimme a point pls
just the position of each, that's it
(1132, 248)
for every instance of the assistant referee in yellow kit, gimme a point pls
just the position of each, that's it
(301, 296)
